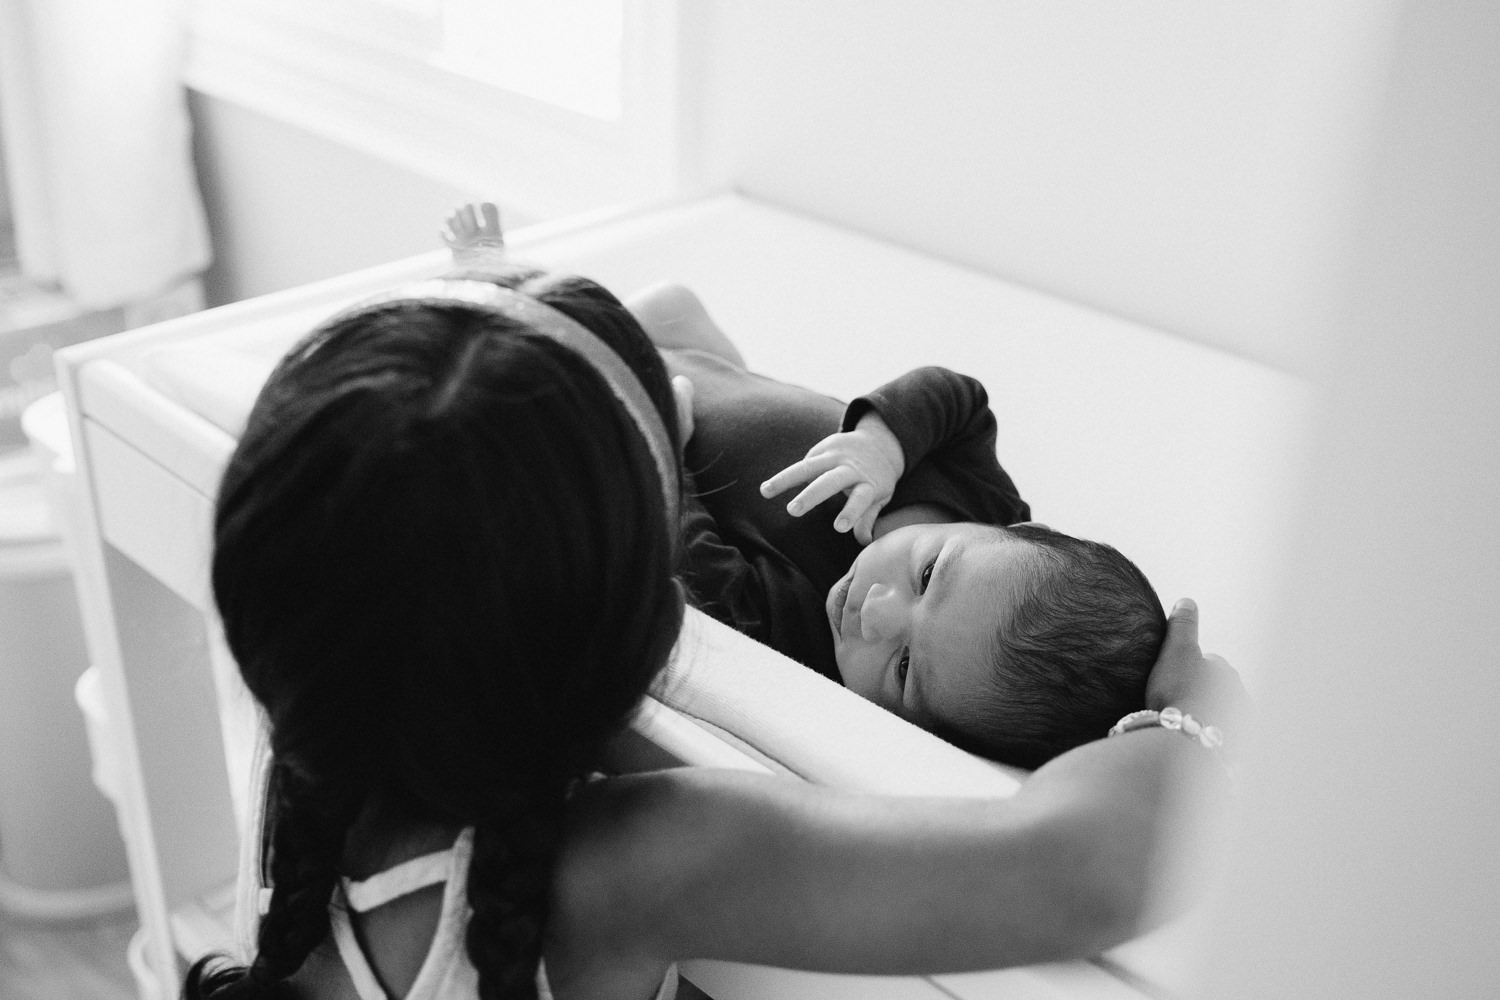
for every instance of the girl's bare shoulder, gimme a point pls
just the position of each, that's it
(630, 869)
(642, 830)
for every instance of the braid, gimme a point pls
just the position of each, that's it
(210, 979)
(309, 825)
(510, 879)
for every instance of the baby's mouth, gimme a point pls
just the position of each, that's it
(837, 599)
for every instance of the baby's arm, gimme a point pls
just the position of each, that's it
(939, 426)
(674, 318)
(944, 422)
(865, 461)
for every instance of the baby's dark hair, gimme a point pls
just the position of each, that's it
(1074, 655)
(444, 566)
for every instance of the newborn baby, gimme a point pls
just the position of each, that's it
(1001, 635)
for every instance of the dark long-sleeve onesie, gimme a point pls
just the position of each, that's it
(758, 569)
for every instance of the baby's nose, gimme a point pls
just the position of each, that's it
(880, 614)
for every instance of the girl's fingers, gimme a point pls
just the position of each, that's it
(1180, 649)
(451, 231)
(828, 484)
(491, 218)
(1184, 620)
(456, 230)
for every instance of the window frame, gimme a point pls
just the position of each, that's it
(351, 71)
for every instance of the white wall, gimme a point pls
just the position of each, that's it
(1182, 164)
(5, 218)
(286, 207)
(1369, 865)
(1177, 163)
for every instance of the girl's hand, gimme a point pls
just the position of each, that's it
(866, 463)
(474, 236)
(1204, 686)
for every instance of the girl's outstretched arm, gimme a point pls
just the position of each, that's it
(701, 863)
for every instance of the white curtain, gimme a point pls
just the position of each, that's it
(97, 145)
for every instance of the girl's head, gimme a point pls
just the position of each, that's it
(444, 555)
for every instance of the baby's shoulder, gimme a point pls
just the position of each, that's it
(699, 364)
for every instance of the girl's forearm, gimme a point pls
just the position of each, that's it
(787, 874)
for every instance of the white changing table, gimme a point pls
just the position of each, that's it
(1175, 453)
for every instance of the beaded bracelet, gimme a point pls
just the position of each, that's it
(1170, 718)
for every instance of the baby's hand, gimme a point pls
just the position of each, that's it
(865, 463)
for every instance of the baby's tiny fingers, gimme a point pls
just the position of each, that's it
(854, 510)
(833, 481)
(864, 528)
(798, 472)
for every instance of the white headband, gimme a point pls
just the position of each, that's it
(543, 319)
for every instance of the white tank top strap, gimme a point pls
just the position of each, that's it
(360, 973)
(666, 991)
(402, 880)
(446, 973)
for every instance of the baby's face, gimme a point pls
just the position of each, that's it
(915, 617)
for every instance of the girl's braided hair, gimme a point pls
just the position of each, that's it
(443, 564)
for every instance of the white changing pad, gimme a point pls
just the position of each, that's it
(217, 383)
(793, 720)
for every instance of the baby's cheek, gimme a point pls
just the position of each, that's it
(856, 678)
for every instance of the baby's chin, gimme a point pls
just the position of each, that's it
(838, 662)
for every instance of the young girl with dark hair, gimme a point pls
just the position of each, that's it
(444, 558)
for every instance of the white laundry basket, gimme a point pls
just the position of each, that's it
(61, 855)
(89, 693)
(147, 986)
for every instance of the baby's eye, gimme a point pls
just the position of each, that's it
(926, 577)
(902, 667)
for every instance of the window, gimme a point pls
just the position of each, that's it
(553, 106)
(564, 52)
